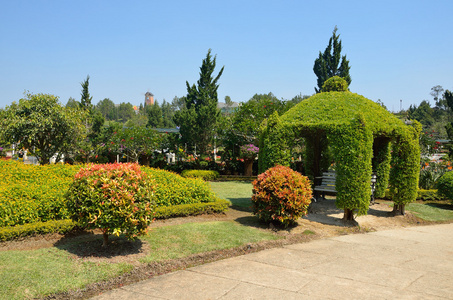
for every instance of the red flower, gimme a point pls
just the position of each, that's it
(132, 138)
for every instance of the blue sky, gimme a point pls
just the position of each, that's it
(397, 50)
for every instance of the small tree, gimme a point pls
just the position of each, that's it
(116, 198)
(42, 126)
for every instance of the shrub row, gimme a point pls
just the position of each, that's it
(65, 226)
(206, 175)
(30, 194)
(172, 189)
(57, 226)
(184, 210)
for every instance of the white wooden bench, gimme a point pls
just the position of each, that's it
(328, 185)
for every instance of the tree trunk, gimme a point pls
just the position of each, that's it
(248, 167)
(106, 239)
(348, 215)
(399, 210)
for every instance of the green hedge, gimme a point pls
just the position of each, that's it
(183, 210)
(65, 226)
(206, 175)
(172, 189)
(14, 232)
(30, 194)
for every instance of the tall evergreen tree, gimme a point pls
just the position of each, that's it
(331, 63)
(198, 121)
(85, 101)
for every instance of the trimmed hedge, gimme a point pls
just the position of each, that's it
(206, 175)
(57, 226)
(184, 210)
(65, 226)
(172, 189)
(30, 194)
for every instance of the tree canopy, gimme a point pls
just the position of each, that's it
(41, 125)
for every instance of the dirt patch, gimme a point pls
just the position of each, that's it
(324, 220)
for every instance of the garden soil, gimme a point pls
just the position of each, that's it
(323, 220)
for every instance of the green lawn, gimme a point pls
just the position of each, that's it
(238, 192)
(33, 273)
(37, 273)
(179, 241)
(432, 211)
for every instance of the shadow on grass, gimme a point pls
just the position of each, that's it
(90, 245)
(445, 206)
(241, 204)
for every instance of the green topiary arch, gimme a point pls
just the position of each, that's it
(360, 136)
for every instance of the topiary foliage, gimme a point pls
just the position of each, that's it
(405, 167)
(445, 185)
(352, 147)
(343, 127)
(116, 198)
(335, 84)
(281, 195)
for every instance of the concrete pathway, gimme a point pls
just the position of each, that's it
(407, 263)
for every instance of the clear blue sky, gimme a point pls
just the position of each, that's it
(397, 49)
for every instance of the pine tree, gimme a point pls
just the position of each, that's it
(85, 101)
(331, 63)
(198, 121)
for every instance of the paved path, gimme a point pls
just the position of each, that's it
(407, 263)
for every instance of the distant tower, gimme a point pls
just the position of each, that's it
(149, 99)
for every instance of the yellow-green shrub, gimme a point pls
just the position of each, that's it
(203, 174)
(172, 189)
(14, 232)
(30, 193)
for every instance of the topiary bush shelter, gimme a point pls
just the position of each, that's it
(357, 135)
(281, 195)
(116, 198)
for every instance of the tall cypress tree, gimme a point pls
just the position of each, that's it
(198, 121)
(328, 63)
(85, 101)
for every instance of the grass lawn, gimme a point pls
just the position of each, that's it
(238, 192)
(179, 241)
(33, 273)
(432, 211)
(36, 273)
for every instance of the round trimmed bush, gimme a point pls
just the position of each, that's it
(116, 198)
(335, 84)
(281, 195)
(445, 185)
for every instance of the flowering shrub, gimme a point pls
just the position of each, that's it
(282, 195)
(117, 198)
(445, 185)
(249, 151)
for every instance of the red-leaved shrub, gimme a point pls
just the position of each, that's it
(116, 198)
(281, 195)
